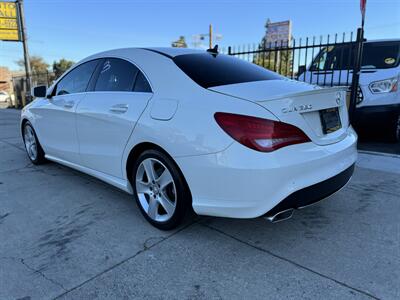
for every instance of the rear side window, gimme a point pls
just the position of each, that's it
(141, 84)
(116, 75)
(209, 70)
(76, 80)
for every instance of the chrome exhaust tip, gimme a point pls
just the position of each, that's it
(280, 216)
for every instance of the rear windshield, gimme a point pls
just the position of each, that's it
(209, 70)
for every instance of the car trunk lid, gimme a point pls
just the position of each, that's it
(298, 104)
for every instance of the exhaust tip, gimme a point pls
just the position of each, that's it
(280, 216)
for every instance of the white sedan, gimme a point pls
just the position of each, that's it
(181, 129)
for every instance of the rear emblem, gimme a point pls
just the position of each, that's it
(299, 108)
(338, 98)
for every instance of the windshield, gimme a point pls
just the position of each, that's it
(381, 55)
(376, 55)
(210, 70)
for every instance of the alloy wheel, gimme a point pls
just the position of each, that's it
(30, 142)
(156, 190)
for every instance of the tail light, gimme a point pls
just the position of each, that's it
(260, 134)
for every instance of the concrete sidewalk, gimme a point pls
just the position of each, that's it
(67, 235)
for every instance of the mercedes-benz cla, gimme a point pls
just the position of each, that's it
(181, 129)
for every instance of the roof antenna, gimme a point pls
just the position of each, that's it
(213, 51)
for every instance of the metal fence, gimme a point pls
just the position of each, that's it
(325, 61)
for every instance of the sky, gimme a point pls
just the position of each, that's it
(74, 29)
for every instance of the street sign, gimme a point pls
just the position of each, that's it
(9, 25)
(278, 33)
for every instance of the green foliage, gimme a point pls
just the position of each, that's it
(38, 65)
(276, 60)
(61, 66)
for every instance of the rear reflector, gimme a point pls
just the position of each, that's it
(260, 134)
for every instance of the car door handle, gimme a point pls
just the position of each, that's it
(69, 104)
(119, 108)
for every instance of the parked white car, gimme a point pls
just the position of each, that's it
(181, 129)
(4, 96)
(378, 106)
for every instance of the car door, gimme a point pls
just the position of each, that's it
(333, 66)
(55, 120)
(107, 115)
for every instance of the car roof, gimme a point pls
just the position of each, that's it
(153, 62)
(172, 52)
(165, 51)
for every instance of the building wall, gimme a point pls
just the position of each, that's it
(5, 80)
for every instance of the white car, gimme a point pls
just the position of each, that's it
(182, 129)
(378, 107)
(4, 96)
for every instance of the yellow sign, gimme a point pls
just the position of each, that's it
(9, 25)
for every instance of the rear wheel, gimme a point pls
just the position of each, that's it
(160, 190)
(32, 145)
(397, 130)
(394, 129)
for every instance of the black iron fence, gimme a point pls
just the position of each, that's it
(325, 61)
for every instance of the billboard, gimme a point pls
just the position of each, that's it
(278, 32)
(9, 25)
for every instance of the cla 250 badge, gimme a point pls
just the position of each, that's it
(299, 108)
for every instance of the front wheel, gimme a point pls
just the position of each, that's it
(160, 190)
(32, 145)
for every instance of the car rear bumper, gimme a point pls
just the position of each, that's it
(242, 183)
(314, 193)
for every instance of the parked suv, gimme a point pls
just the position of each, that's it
(378, 104)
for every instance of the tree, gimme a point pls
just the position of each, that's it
(180, 43)
(61, 66)
(274, 59)
(38, 65)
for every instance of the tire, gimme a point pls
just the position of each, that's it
(395, 134)
(160, 190)
(32, 146)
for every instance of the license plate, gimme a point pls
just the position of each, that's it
(330, 120)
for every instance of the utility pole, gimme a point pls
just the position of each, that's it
(26, 52)
(357, 63)
(210, 36)
(198, 38)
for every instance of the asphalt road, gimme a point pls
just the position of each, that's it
(67, 235)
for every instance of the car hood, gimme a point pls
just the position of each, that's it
(370, 75)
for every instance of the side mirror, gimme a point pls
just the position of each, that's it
(39, 91)
(301, 70)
